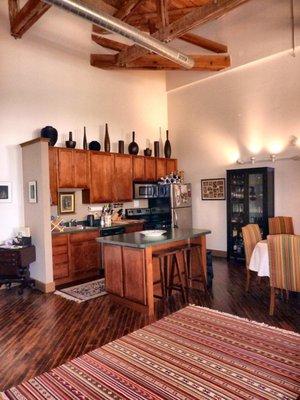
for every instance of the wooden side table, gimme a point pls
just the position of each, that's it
(14, 266)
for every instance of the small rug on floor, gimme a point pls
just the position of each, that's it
(195, 353)
(83, 292)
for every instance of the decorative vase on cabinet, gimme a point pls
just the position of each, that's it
(85, 146)
(167, 148)
(70, 144)
(133, 147)
(106, 140)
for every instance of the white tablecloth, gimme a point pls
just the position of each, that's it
(259, 261)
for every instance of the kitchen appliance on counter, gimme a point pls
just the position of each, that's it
(178, 204)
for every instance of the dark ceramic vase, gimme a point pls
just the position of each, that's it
(70, 144)
(156, 149)
(147, 152)
(94, 145)
(121, 146)
(85, 146)
(167, 148)
(106, 140)
(133, 147)
(50, 133)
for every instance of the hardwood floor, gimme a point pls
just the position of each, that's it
(38, 331)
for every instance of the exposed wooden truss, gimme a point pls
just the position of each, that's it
(22, 19)
(181, 26)
(204, 43)
(165, 20)
(209, 62)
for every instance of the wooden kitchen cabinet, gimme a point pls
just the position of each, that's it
(102, 187)
(171, 165)
(81, 169)
(60, 255)
(114, 274)
(53, 175)
(84, 254)
(134, 280)
(75, 256)
(122, 177)
(161, 167)
(138, 168)
(66, 169)
(150, 169)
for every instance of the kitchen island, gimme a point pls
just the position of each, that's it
(130, 270)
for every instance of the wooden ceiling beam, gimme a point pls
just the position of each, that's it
(108, 43)
(181, 26)
(122, 13)
(25, 17)
(162, 11)
(204, 62)
(204, 43)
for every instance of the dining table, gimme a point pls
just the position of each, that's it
(259, 261)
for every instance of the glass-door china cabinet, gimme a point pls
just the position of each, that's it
(250, 200)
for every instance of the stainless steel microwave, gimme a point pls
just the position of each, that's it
(145, 190)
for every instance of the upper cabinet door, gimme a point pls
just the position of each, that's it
(171, 165)
(123, 177)
(102, 168)
(150, 169)
(161, 167)
(138, 163)
(82, 169)
(53, 175)
(66, 172)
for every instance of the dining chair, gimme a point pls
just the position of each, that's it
(251, 236)
(281, 225)
(284, 259)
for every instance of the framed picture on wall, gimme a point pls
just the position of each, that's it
(5, 192)
(32, 192)
(66, 203)
(213, 189)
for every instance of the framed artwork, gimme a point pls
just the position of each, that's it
(213, 189)
(32, 192)
(5, 192)
(66, 203)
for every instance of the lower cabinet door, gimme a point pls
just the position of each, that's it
(134, 275)
(84, 259)
(112, 256)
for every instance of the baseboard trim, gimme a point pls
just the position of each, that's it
(45, 287)
(218, 253)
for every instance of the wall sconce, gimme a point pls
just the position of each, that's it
(252, 159)
(273, 157)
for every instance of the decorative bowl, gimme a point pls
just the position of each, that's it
(153, 233)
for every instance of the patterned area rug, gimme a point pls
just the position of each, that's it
(195, 353)
(85, 291)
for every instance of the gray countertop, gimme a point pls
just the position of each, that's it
(140, 241)
(119, 224)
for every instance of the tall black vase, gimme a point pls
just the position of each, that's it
(156, 148)
(133, 147)
(106, 140)
(167, 148)
(85, 146)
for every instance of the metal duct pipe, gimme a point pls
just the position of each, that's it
(115, 25)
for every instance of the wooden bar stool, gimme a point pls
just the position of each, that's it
(169, 269)
(187, 255)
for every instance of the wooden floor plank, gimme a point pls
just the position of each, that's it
(41, 331)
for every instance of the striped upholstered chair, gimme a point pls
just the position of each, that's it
(281, 225)
(251, 236)
(284, 258)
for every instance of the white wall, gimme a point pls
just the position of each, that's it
(252, 31)
(45, 79)
(250, 110)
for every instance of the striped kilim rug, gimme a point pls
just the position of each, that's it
(195, 353)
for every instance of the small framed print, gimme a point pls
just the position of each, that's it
(66, 203)
(5, 192)
(213, 189)
(32, 192)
